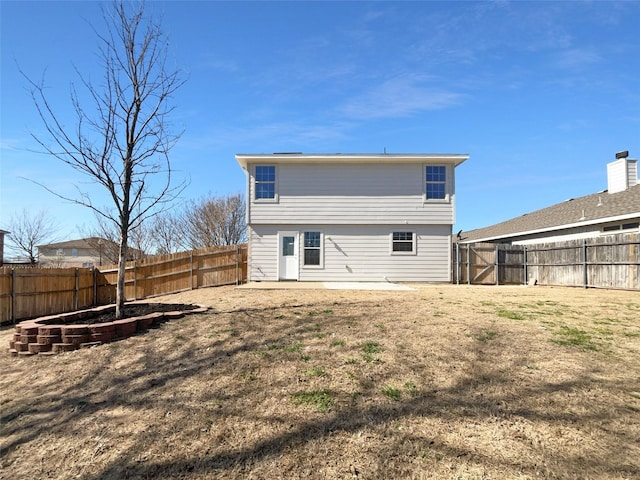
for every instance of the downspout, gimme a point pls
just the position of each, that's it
(248, 219)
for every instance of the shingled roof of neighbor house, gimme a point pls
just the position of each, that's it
(89, 243)
(601, 207)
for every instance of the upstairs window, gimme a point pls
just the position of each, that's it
(265, 182)
(436, 182)
(312, 244)
(403, 243)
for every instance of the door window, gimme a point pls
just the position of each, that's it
(288, 244)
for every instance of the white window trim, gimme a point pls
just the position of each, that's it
(619, 228)
(447, 183)
(275, 186)
(312, 267)
(414, 237)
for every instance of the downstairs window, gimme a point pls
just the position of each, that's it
(312, 246)
(403, 243)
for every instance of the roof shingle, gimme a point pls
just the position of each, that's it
(591, 209)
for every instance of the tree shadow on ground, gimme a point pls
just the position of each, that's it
(153, 380)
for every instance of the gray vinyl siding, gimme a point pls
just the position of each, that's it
(347, 194)
(357, 253)
(263, 253)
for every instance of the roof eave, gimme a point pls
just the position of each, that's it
(455, 159)
(556, 228)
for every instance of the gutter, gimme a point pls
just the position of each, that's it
(556, 228)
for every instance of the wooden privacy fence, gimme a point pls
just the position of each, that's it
(34, 292)
(611, 261)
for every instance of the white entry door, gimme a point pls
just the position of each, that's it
(288, 255)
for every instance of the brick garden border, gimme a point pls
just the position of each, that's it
(50, 335)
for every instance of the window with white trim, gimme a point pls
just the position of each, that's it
(435, 182)
(403, 243)
(624, 226)
(312, 248)
(265, 182)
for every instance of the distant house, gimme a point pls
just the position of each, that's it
(350, 217)
(2, 234)
(610, 211)
(84, 252)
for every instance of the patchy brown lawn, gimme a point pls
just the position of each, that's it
(441, 382)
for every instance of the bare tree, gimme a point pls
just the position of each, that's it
(122, 142)
(27, 230)
(140, 241)
(166, 233)
(214, 221)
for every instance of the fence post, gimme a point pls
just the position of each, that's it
(457, 263)
(236, 264)
(13, 295)
(524, 264)
(468, 264)
(95, 287)
(497, 267)
(191, 269)
(135, 279)
(585, 273)
(76, 289)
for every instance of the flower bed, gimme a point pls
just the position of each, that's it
(87, 328)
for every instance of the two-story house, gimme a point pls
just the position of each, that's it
(83, 252)
(2, 234)
(350, 217)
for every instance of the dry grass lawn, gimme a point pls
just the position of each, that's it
(440, 382)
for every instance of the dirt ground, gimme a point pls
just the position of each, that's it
(442, 381)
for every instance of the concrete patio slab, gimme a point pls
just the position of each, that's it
(365, 286)
(325, 285)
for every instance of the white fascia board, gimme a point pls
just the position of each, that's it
(449, 158)
(586, 223)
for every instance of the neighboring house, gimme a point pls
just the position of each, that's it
(615, 210)
(2, 234)
(84, 252)
(350, 217)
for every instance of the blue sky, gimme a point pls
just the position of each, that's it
(540, 94)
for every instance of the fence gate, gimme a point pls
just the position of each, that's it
(481, 264)
(488, 264)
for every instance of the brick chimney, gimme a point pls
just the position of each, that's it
(622, 173)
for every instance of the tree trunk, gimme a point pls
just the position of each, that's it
(125, 219)
(122, 264)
